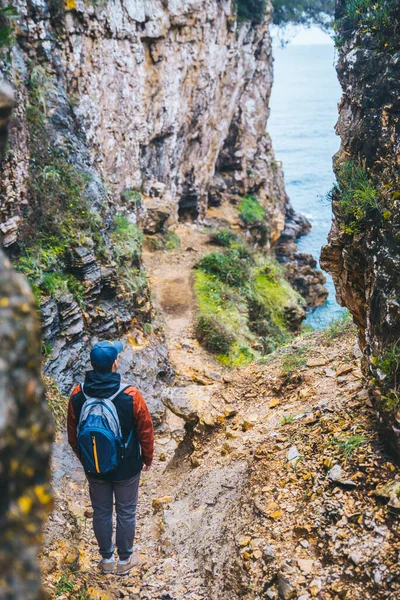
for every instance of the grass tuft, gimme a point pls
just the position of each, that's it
(251, 211)
(224, 238)
(338, 326)
(348, 444)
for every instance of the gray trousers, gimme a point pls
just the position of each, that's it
(126, 498)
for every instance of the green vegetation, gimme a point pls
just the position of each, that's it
(57, 402)
(64, 585)
(388, 364)
(242, 299)
(127, 241)
(232, 266)
(172, 242)
(251, 10)
(375, 14)
(378, 19)
(7, 15)
(356, 195)
(338, 326)
(348, 444)
(224, 238)
(287, 419)
(61, 218)
(213, 335)
(303, 12)
(297, 12)
(294, 360)
(251, 211)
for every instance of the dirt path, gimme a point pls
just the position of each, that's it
(171, 279)
(248, 507)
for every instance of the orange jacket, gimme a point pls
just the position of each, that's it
(132, 412)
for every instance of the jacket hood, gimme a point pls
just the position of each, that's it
(101, 385)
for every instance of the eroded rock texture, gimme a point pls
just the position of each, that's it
(145, 110)
(363, 254)
(25, 428)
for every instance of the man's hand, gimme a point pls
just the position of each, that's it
(146, 468)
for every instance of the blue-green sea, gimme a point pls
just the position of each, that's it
(303, 116)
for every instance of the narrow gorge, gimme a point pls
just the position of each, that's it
(141, 197)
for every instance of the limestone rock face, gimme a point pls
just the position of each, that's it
(157, 108)
(363, 254)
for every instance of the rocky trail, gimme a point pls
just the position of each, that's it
(282, 490)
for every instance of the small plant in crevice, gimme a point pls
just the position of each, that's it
(58, 403)
(356, 197)
(287, 419)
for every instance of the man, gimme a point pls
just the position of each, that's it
(138, 442)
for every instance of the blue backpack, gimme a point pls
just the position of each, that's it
(99, 440)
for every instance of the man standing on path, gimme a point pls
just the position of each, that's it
(113, 453)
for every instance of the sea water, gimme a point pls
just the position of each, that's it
(303, 116)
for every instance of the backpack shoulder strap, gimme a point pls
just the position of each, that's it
(122, 388)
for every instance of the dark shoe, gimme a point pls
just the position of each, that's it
(107, 567)
(123, 568)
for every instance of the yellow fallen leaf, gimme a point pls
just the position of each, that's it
(274, 403)
(276, 514)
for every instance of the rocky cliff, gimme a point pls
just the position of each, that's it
(364, 251)
(131, 115)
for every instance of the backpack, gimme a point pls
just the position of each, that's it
(99, 436)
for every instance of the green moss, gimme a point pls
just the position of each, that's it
(251, 211)
(248, 298)
(356, 195)
(239, 356)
